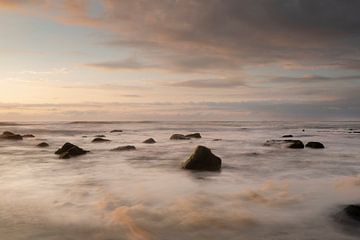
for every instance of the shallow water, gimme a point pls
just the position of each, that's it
(261, 192)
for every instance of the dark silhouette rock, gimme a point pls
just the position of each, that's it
(349, 215)
(99, 139)
(353, 211)
(28, 136)
(288, 136)
(116, 131)
(193, 135)
(10, 136)
(100, 136)
(149, 141)
(317, 145)
(43, 145)
(297, 144)
(179, 137)
(217, 139)
(69, 150)
(203, 159)
(124, 148)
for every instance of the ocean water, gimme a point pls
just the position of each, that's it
(260, 193)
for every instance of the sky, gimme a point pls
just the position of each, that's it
(179, 60)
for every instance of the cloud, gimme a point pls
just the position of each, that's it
(129, 63)
(314, 79)
(211, 83)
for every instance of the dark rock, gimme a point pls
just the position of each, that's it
(353, 211)
(99, 136)
(124, 148)
(349, 215)
(193, 135)
(10, 136)
(116, 131)
(149, 140)
(99, 139)
(287, 143)
(288, 136)
(28, 136)
(84, 136)
(203, 159)
(217, 139)
(315, 145)
(69, 150)
(179, 137)
(303, 130)
(43, 145)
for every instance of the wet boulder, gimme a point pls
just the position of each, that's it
(317, 145)
(124, 148)
(202, 159)
(149, 141)
(69, 150)
(287, 136)
(10, 136)
(99, 139)
(296, 144)
(43, 145)
(116, 131)
(179, 137)
(28, 136)
(193, 135)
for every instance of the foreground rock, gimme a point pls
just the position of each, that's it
(124, 148)
(28, 136)
(99, 139)
(349, 214)
(116, 131)
(288, 136)
(149, 141)
(317, 145)
(297, 144)
(10, 136)
(43, 145)
(69, 150)
(193, 135)
(179, 137)
(203, 159)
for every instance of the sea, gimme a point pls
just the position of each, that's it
(261, 192)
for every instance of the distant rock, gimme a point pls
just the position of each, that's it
(69, 150)
(217, 139)
(288, 136)
(28, 136)
(287, 143)
(116, 131)
(100, 136)
(203, 159)
(124, 148)
(317, 145)
(10, 136)
(149, 141)
(99, 139)
(179, 137)
(43, 145)
(193, 135)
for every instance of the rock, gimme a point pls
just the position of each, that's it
(99, 139)
(124, 148)
(69, 150)
(179, 137)
(287, 143)
(203, 159)
(288, 136)
(10, 136)
(217, 139)
(317, 145)
(28, 136)
(193, 135)
(149, 141)
(116, 131)
(99, 136)
(353, 211)
(43, 145)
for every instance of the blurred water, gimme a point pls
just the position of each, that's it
(261, 192)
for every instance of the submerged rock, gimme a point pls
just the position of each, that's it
(149, 141)
(124, 148)
(288, 136)
(10, 136)
(203, 159)
(69, 150)
(193, 135)
(288, 143)
(317, 145)
(116, 131)
(100, 136)
(179, 137)
(43, 145)
(28, 136)
(217, 139)
(99, 139)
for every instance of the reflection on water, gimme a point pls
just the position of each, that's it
(261, 192)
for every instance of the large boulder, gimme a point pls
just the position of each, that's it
(203, 159)
(193, 135)
(179, 137)
(43, 145)
(149, 141)
(317, 145)
(99, 139)
(124, 148)
(69, 150)
(10, 136)
(287, 143)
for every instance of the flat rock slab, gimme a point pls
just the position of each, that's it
(10, 136)
(99, 139)
(124, 148)
(179, 137)
(296, 144)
